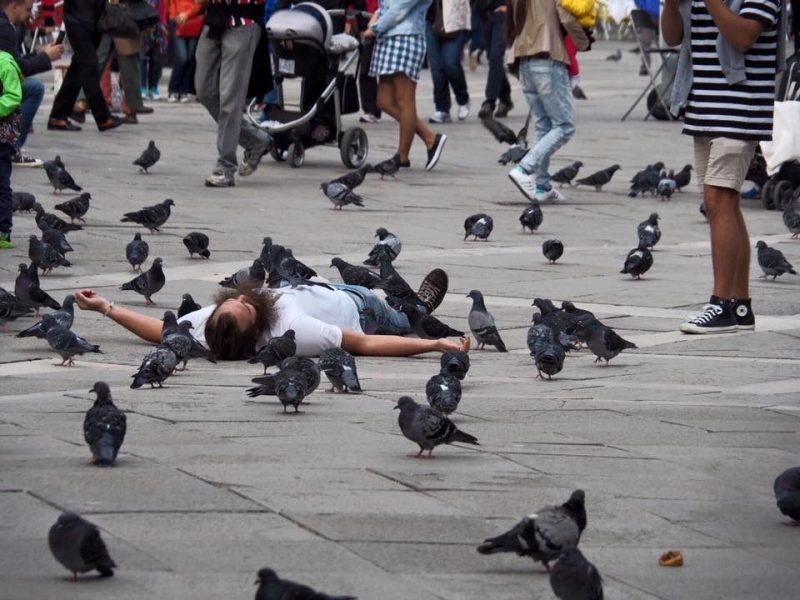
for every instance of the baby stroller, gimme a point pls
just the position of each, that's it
(303, 46)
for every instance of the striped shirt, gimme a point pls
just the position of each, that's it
(744, 110)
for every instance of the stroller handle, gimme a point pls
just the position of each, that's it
(343, 12)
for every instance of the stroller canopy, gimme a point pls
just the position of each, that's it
(305, 22)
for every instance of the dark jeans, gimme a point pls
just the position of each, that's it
(182, 79)
(477, 38)
(32, 94)
(6, 212)
(368, 86)
(497, 85)
(150, 66)
(83, 72)
(446, 69)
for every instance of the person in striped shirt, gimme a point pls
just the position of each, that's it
(730, 52)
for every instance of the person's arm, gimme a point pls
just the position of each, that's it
(398, 11)
(740, 32)
(395, 345)
(147, 328)
(671, 23)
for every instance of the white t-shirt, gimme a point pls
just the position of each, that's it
(316, 314)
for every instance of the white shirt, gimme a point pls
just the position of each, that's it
(316, 314)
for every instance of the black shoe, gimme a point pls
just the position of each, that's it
(433, 289)
(487, 110)
(717, 317)
(745, 319)
(435, 151)
(503, 108)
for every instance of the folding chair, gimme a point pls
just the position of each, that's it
(643, 20)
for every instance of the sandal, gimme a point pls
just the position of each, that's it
(61, 125)
(671, 558)
(110, 123)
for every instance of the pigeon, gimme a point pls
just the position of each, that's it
(151, 217)
(574, 316)
(683, 177)
(148, 158)
(667, 186)
(340, 194)
(290, 388)
(188, 305)
(542, 536)
(76, 207)
(158, 364)
(45, 220)
(481, 323)
(252, 276)
(514, 154)
(575, 578)
(603, 341)
(275, 350)
(63, 316)
(532, 217)
(10, 309)
(293, 271)
(772, 261)
(177, 337)
(353, 179)
(646, 180)
(272, 587)
(648, 230)
(519, 147)
(616, 56)
(28, 292)
(638, 261)
(147, 283)
(599, 179)
(77, 545)
(388, 167)
(787, 493)
(197, 243)
(552, 250)
(45, 255)
(59, 177)
(427, 326)
(443, 392)
(339, 367)
(792, 220)
(545, 348)
(397, 289)
(66, 343)
(502, 133)
(455, 363)
(479, 226)
(355, 274)
(137, 251)
(427, 427)
(307, 368)
(567, 174)
(266, 248)
(104, 427)
(702, 209)
(55, 238)
(386, 241)
(22, 202)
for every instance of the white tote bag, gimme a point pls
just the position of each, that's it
(785, 144)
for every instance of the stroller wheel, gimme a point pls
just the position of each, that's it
(354, 147)
(297, 155)
(782, 196)
(277, 154)
(766, 194)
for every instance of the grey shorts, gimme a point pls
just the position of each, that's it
(722, 162)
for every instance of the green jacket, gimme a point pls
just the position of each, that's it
(11, 79)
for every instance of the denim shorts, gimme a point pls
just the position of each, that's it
(376, 315)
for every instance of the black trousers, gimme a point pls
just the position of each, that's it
(368, 86)
(6, 212)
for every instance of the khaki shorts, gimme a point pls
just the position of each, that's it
(722, 162)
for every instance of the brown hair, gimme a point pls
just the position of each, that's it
(223, 336)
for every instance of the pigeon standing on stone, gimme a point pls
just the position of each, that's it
(275, 350)
(272, 587)
(158, 364)
(638, 261)
(340, 195)
(308, 377)
(552, 250)
(482, 325)
(59, 178)
(45, 255)
(532, 217)
(567, 174)
(177, 337)
(545, 348)
(10, 309)
(76, 207)
(66, 343)
(600, 178)
(646, 180)
(104, 427)
(137, 251)
(293, 271)
(197, 243)
(616, 56)
(603, 341)
(149, 282)
(22, 201)
(355, 274)
(77, 545)
(575, 578)
(427, 427)
(443, 392)
(387, 241)
(791, 219)
(479, 226)
(55, 238)
(28, 292)
(455, 363)
(787, 493)
(683, 177)
(46, 220)
(188, 305)
(667, 186)
(388, 167)
(152, 217)
(63, 316)
(339, 367)
(648, 230)
(253, 276)
(148, 158)
(574, 316)
(772, 261)
(427, 326)
(544, 535)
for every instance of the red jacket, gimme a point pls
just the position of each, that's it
(194, 25)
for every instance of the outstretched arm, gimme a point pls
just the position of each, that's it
(396, 345)
(147, 328)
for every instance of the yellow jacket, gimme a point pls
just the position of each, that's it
(583, 10)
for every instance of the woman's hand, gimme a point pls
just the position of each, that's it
(87, 299)
(181, 18)
(368, 34)
(462, 344)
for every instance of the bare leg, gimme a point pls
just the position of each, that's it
(741, 287)
(730, 244)
(405, 94)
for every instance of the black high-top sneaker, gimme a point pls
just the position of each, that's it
(717, 317)
(745, 319)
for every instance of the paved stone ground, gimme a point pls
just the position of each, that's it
(676, 444)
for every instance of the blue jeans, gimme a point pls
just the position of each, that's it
(180, 82)
(380, 318)
(477, 36)
(150, 66)
(497, 85)
(32, 94)
(547, 89)
(446, 70)
(6, 212)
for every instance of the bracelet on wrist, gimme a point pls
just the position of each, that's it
(107, 311)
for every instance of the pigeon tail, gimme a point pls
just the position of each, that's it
(465, 438)
(506, 542)
(789, 505)
(103, 451)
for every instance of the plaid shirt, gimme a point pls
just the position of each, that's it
(238, 21)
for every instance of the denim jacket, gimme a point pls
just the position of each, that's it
(401, 17)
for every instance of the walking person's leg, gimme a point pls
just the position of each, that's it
(441, 91)
(405, 97)
(180, 62)
(32, 95)
(451, 53)
(6, 203)
(496, 80)
(367, 84)
(207, 75)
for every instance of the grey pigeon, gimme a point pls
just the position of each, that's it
(603, 341)
(502, 133)
(787, 493)
(10, 309)
(77, 545)
(427, 326)
(532, 217)
(355, 178)
(667, 186)
(397, 289)
(272, 587)
(63, 316)
(482, 325)
(616, 56)
(340, 194)
(307, 369)
(28, 292)
(455, 363)
(177, 337)
(275, 350)
(427, 427)
(294, 271)
(57, 239)
(22, 201)
(77, 207)
(683, 177)
(443, 392)
(45, 220)
(137, 251)
(791, 219)
(388, 167)
(252, 276)
(638, 261)
(45, 255)
(600, 178)
(148, 157)
(197, 243)
(266, 248)
(518, 148)
(104, 427)
(290, 388)
(158, 364)
(356, 274)
(772, 261)
(648, 230)
(152, 217)
(514, 154)
(388, 242)
(66, 343)
(188, 305)
(545, 348)
(552, 250)
(59, 178)
(574, 316)
(575, 578)
(544, 535)
(567, 174)
(646, 180)
(339, 367)
(479, 226)
(147, 283)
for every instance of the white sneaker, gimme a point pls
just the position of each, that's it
(188, 98)
(463, 111)
(369, 118)
(523, 182)
(440, 117)
(172, 98)
(551, 195)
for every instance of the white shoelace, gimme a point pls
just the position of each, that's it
(710, 311)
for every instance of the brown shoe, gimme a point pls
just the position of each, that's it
(130, 118)
(144, 110)
(433, 288)
(61, 125)
(111, 123)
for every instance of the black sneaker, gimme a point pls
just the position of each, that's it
(433, 289)
(503, 108)
(717, 317)
(435, 151)
(487, 110)
(745, 319)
